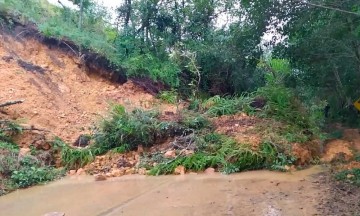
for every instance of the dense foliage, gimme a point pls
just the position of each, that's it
(218, 46)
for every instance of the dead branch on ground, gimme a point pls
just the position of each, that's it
(9, 103)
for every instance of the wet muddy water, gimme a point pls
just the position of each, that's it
(250, 193)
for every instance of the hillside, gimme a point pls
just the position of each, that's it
(63, 98)
(167, 90)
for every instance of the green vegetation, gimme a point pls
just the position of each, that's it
(226, 155)
(314, 52)
(169, 96)
(351, 176)
(18, 171)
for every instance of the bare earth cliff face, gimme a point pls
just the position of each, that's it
(63, 98)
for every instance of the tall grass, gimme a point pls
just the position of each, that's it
(227, 156)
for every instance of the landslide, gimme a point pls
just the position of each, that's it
(61, 96)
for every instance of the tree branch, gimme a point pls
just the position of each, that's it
(9, 103)
(330, 8)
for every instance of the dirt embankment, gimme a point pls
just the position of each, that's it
(59, 95)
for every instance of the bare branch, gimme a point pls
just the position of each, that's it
(330, 8)
(9, 103)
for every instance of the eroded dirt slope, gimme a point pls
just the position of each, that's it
(64, 99)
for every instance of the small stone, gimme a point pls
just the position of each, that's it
(140, 149)
(24, 151)
(349, 176)
(117, 173)
(100, 177)
(109, 175)
(180, 170)
(243, 115)
(209, 171)
(189, 152)
(137, 157)
(142, 171)
(46, 146)
(129, 171)
(80, 171)
(55, 214)
(170, 154)
(72, 172)
(291, 168)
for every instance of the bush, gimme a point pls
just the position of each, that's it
(29, 171)
(132, 129)
(8, 158)
(351, 176)
(218, 106)
(228, 156)
(27, 176)
(168, 96)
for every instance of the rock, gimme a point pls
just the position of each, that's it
(170, 154)
(349, 176)
(72, 172)
(24, 151)
(55, 214)
(80, 171)
(189, 152)
(291, 168)
(140, 149)
(180, 170)
(117, 173)
(137, 157)
(209, 171)
(109, 175)
(46, 146)
(129, 171)
(142, 171)
(100, 177)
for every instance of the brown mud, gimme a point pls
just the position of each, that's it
(250, 193)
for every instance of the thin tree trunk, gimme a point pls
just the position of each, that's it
(80, 25)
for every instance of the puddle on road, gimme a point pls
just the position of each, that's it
(249, 193)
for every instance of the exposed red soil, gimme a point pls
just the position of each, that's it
(65, 100)
(240, 127)
(336, 150)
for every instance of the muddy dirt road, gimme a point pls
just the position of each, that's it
(250, 193)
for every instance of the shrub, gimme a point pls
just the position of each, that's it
(168, 96)
(27, 176)
(132, 129)
(228, 156)
(135, 128)
(219, 152)
(73, 158)
(351, 176)
(218, 106)
(31, 172)
(275, 158)
(8, 158)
